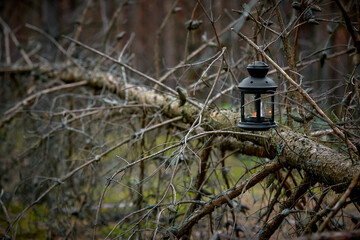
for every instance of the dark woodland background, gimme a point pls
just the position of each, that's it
(91, 160)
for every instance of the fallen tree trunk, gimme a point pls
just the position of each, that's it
(290, 148)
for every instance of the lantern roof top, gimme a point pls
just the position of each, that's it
(257, 80)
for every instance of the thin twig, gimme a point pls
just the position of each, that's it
(109, 180)
(355, 37)
(307, 63)
(16, 42)
(238, 23)
(79, 27)
(7, 217)
(340, 203)
(7, 46)
(212, 21)
(277, 194)
(128, 67)
(11, 113)
(223, 198)
(112, 21)
(320, 214)
(270, 228)
(48, 36)
(89, 162)
(217, 96)
(158, 35)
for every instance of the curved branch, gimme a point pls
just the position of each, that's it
(341, 202)
(224, 197)
(269, 229)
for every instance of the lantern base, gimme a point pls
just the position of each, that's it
(253, 126)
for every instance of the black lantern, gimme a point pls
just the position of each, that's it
(257, 99)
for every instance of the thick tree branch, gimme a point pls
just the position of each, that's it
(293, 148)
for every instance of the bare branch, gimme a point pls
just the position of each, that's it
(341, 202)
(224, 197)
(11, 113)
(16, 42)
(270, 228)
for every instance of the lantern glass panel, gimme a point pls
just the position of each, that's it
(250, 107)
(266, 107)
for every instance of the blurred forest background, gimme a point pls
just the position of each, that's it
(116, 119)
(110, 24)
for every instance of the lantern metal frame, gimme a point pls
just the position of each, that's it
(257, 85)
